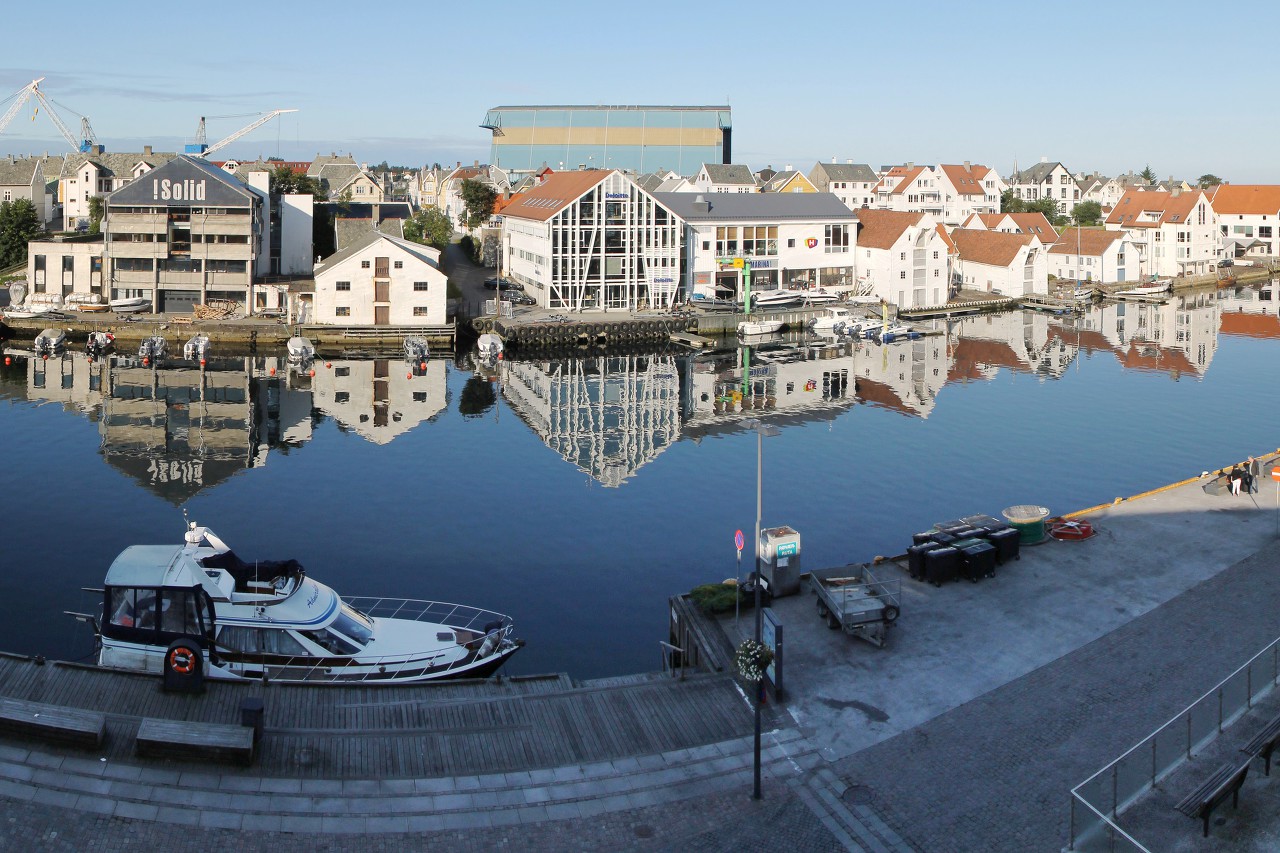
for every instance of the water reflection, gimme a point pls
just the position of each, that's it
(177, 428)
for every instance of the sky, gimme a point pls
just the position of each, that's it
(1106, 86)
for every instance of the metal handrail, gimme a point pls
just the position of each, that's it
(460, 616)
(1107, 821)
(666, 648)
(1182, 717)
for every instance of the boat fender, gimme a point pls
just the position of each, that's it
(495, 625)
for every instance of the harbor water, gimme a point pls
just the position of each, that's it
(581, 490)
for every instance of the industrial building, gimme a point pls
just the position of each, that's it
(639, 139)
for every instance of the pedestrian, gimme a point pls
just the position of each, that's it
(1236, 478)
(1255, 474)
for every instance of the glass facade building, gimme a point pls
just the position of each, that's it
(637, 138)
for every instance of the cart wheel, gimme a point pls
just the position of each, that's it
(822, 610)
(832, 621)
(890, 613)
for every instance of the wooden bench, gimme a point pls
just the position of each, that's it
(1201, 802)
(1264, 743)
(68, 726)
(184, 740)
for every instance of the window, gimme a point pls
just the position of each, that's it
(726, 241)
(8, 195)
(399, 265)
(902, 274)
(706, 245)
(364, 265)
(935, 255)
(420, 286)
(261, 641)
(68, 263)
(421, 311)
(836, 238)
(342, 397)
(342, 371)
(791, 243)
(342, 285)
(342, 312)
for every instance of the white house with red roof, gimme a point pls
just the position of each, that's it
(968, 189)
(1094, 254)
(1014, 223)
(998, 262)
(1176, 232)
(902, 258)
(911, 189)
(1249, 219)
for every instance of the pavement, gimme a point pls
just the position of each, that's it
(967, 732)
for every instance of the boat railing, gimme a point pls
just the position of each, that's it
(458, 616)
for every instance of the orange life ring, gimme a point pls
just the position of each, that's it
(182, 661)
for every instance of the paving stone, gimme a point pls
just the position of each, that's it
(343, 825)
(274, 785)
(170, 814)
(261, 823)
(137, 811)
(220, 819)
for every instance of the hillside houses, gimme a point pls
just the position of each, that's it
(1176, 232)
(852, 183)
(1092, 254)
(1000, 262)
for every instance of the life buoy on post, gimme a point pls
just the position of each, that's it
(184, 666)
(182, 661)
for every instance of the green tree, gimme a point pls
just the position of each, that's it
(429, 225)
(1148, 175)
(1049, 208)
(19, 224)
(1209, 180)
(1088, 213)
(477, 202)
(1010, 203)
(285, 181)
(96, 210)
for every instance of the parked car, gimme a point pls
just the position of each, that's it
(502, 284)
(515, 297)
(1226, 262)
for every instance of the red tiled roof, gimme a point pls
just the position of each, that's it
(557, 192)
(1088, 241)
(1170, 207)
(970, 355)
(965, 180)
(880, 229)
(1148, 355)
(908, 175)
(1247, 199)
(880, 394)
(1035, 223)
(1250, 325)
(995, 248)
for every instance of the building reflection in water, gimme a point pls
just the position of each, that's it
(178, 428)
(608, 415)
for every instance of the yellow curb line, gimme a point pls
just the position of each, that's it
(1185, 482)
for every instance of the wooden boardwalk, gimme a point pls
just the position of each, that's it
(455, 728)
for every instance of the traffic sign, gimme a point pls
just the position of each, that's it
(1275, 473)
(739, 541)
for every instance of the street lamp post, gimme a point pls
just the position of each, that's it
(761, 430)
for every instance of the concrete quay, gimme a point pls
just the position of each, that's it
(967, 732)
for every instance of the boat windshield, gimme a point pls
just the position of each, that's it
(354, 624)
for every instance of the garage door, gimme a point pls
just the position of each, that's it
(179, 301)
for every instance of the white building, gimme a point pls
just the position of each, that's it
(1175, 232)
(993, 261)
(911, 189)
(594, 239)
(723, 178)
(1047, 180)
(100, 175)
(1014, 223)
(968, 189)
(22, 178)
(381, 399)
(902, 258)
(776, 239)
(381, 281)
(1248, 216)
(1094, 254)
(853, 183)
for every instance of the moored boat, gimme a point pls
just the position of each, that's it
(818, 297)
(894, 332)
(489, 346)
(747, 328)
(196, 349)
(152, 348)
(831, 318)
(99, 343)
(83, 302)
(300, 348)
(416, 349)
(197, 609)
(1154, 288)
(774, 298)
(134, 305)
(50, 341)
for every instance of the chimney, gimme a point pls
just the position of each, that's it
(833, 159)
(701, 205)
(788, 169)
(910, 165)
(1177, 191)
(966, 165)
(849, 162)
(1044, 159)
(582, 167)
(475, 162)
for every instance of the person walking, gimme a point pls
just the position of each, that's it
(1255, 474)
(1236, 478)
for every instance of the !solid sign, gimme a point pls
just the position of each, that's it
(186, 190)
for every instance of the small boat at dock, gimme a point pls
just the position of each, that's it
(196, 349)
(99, 343)
(831, 318)
(300, 348)
(134, 305)
(1159, 287)
(416, 349)
(152, 349)
(818, 297)
(894, 332)
(197, 610)
(50, 341)
(750, 328)
(775, 298)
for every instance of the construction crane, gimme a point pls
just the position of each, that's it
(85, 144)
(200, 148)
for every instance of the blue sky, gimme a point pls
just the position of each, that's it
(1110, 86)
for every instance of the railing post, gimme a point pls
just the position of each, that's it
(1114, 787)
(1219, 710)
(1188, 735)
(1153, 762)
(1071, 839)
(1248, 684)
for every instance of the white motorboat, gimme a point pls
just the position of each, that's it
(135, 305)
(748, 328)
(79, 301)
(27, 312)
(99, 343)
(489, 346)
(831, 318)
(818, 297)
(416, 349)
(50, 341)
(300, 348)
(153, 348)
(1159, 287)
(774, 298)
(196, 349)
(197, 610)
(857, 327)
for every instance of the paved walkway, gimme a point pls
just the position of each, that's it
(990, 770)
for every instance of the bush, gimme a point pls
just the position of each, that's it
(717, 597)
(469, 246)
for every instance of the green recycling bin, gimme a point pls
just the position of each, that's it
(1028, 520)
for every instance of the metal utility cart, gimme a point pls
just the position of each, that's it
(854, 600)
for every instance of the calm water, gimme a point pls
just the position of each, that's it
(596, 487)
